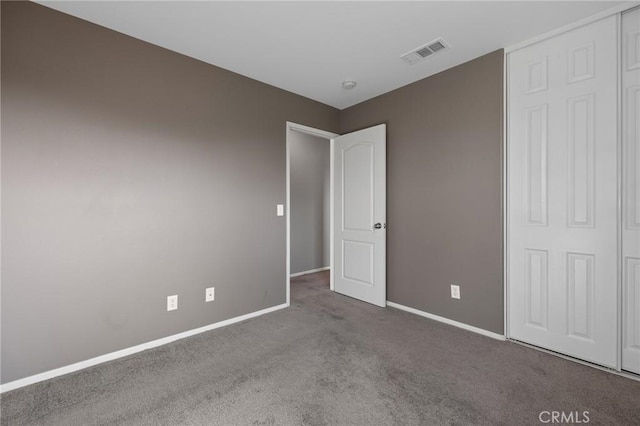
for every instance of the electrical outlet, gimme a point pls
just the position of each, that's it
(455, 291)
(210, 294)
(172, 302)
(280, 210)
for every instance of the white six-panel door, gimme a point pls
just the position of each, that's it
(631, 191)
(562, 192)
(360, 215)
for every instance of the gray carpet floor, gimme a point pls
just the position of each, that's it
(328, 360)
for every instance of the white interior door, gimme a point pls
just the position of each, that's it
(562, 174)
(631, 190)
(360, 214)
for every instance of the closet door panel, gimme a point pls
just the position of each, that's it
(562, 189)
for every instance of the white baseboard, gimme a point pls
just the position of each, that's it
(448, 321)
(129, 351)
(310, 271)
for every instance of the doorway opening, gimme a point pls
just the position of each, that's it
(309, 202)
(357, 210)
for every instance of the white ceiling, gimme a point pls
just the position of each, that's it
(310, 48)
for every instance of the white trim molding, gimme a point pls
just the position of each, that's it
(294, 127)
(566, 28)
(130, 351)
(448, 321)
(310, 130)
(505, 191)
(622, 373)
(310, 271)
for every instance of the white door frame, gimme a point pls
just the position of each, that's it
(616, 10)
(294, 127)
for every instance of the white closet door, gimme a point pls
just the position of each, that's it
(562, 174)
(631, 190)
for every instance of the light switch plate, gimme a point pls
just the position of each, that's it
(280, 210)
(172, 302)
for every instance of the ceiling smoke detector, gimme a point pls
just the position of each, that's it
(431, 48)
(349, 84)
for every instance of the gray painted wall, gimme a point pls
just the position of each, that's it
(444, 163)
(309, 202)
(130, 173)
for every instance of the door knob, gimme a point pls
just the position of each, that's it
(378, 225)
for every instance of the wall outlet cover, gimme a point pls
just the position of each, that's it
(455, 291)
(210, 294)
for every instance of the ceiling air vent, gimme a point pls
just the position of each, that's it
(437, 46)
(416, 55)
(424, 52)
